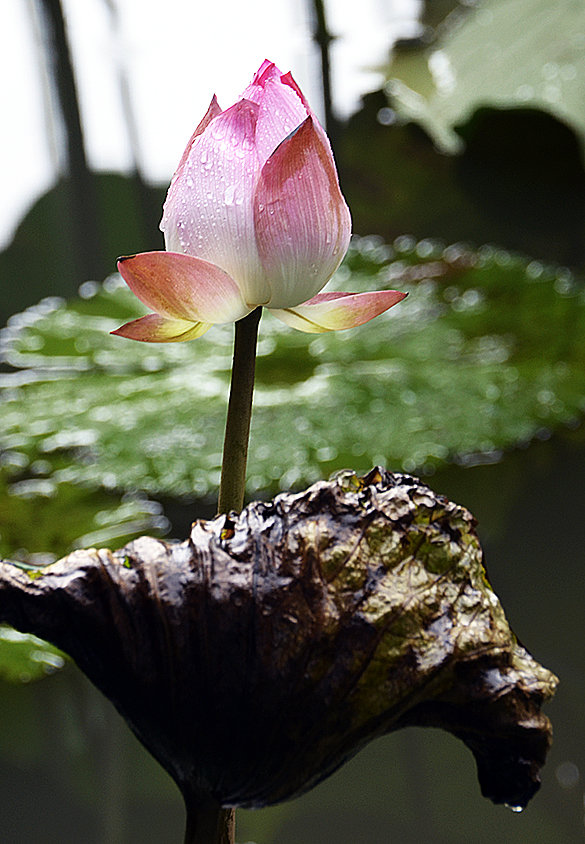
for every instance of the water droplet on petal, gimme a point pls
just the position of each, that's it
(524, 92)
(386, 116)
(568, 72)
(550, 70)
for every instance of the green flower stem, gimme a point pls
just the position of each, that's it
(237, 430)
(208, 823)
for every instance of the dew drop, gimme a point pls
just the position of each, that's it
(534, 270)
(516, 809)
(229, 194)
(568, 72)
(386, 116)
(550, 70)
(405, 244)
(88, 289)
(524, 92)
(552, 93)
(424, 248)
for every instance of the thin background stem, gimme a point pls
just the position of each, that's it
(323, 39)
(80, 184)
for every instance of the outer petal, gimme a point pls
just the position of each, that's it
(282, 107)
(281, 111)
(208, 212)
(154, 328)
(303, 225)
(337, 311)
(255, 89)
(211, 112)
(181, 287)
(288, 80)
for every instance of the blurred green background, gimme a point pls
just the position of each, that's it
(464, 173)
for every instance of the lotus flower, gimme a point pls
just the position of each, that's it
(254, 217)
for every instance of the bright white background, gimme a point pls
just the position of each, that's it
(174, 55)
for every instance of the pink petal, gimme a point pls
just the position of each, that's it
(181, 287)
(337, 311)
(255, 89)
(303, 225)
(282, 107)
(287, 79)
(211, 112)
(208, 212)
(154, 328)
(281, 111)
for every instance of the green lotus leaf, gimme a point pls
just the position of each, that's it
(534, 52)
(39, 518)
(24, 657)
(487, 352)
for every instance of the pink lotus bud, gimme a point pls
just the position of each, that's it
(254, 217)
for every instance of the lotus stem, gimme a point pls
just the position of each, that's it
(209, 823)
(237, 430)
(212, 824)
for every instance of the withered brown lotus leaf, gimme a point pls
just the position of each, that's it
(257, 656)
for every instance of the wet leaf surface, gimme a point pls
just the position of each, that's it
(24, 657)
(39, 519)
(258, 655)
(486, 353)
